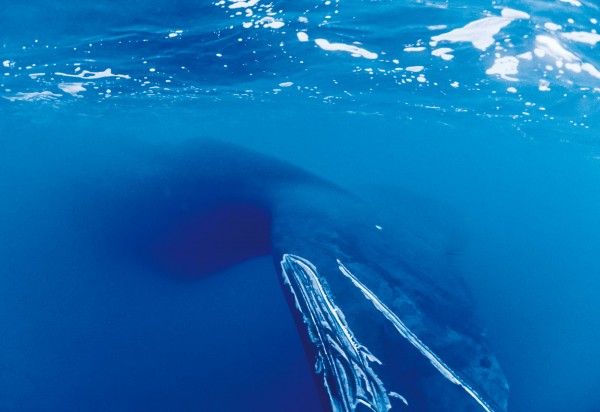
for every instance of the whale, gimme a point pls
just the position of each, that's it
(384, 321)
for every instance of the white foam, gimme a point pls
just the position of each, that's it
(72, 88)
(302, 36)
(582, 37)
(414, 49)
(355, 51)
(286, 84)
(414, 69)
(505, 66)
(511, 89)
(86, 74)
(481, 32)
(7, 63)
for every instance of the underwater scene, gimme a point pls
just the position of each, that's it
(309, 205)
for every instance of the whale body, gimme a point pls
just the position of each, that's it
(385, 325)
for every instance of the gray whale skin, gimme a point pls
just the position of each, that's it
(385, 323)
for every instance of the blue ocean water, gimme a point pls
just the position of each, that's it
(488, 112)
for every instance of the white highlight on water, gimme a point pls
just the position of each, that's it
(481, 32)
(86, 74)
(72, 88)
(238, 4)
(443, 52)
(302, 36)
(582, 37)
(353, 50)
(525, 56)
(271, 23)
(575, 3)
(505, 66)
(550, 46)
(33, 96)
(552, 26)
(543, 85)
(415, 69)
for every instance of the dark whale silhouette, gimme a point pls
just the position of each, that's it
(386, 325)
